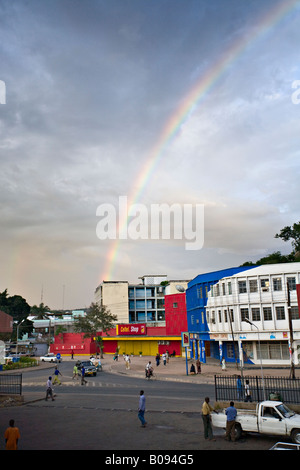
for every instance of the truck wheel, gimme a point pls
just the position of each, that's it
(296, 436)
(238, 431)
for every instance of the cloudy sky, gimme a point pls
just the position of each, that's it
(87, 89)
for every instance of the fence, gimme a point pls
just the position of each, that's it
(281, 388)
(10, 384)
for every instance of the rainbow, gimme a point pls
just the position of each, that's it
(189, 104)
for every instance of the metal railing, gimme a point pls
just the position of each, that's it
(10, 384)
(284, 389)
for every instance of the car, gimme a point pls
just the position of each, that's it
(96, 363)
(50, 357)
(90, 369)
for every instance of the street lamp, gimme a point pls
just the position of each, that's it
(262, 374)
(18, 335)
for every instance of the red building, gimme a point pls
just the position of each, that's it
(133, 338)
(6, 322)
(175, 313)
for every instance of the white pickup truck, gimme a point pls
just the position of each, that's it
(270, 417)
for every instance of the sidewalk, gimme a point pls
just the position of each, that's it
(176, 369)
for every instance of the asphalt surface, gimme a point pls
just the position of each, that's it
(103, 415)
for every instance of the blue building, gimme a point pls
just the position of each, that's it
(201, 342)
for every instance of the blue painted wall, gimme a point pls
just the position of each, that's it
(196, 301)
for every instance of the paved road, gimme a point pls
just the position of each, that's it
(103, 416)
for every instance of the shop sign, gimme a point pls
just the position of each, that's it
(219, 336)
(131, 329)
(185, 339)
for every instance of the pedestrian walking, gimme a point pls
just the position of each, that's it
(231, 413)
(49, 389)
(83, 381)
(206, 417)
(157, 358)
(12, 436)
(142, 408)
(248, 396)
(239, 388)
(198, 365)
(164, 358)
(75, 372)
(56, 379)
(127, 362)
(223, 364)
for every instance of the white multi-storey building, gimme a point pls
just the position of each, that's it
(251, 309)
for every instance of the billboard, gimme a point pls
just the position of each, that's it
(131, 329)
(185, 339)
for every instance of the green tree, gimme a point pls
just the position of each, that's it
(17, 307)
(40, 312)
(97, 320)
(291, 233)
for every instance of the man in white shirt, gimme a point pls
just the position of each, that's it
(142, 409)
(49, 389)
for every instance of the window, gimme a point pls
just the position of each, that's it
(277, 284)
(220, 316)
(253, 285)
(255, 314)
(291, 283)
(231, 315)
(294, 313)
(217, 290)
(232, 350)
(244, 314)
(267, 311)
(225, 316)
(242, 287)
(199, 293)
(223, 289)
(175, 305)
(140, 292)
(131, 293)
(280, 315)
(229, 288)
(265, 284)
(276, 350)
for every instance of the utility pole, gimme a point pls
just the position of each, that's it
(291, 340)
(231, 327)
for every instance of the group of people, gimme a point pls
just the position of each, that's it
(196, 370)
(165, 358)
(231, 413)
(50, 384)
(79, 373)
